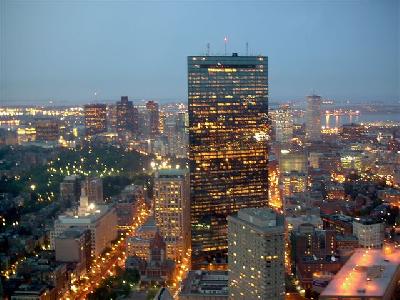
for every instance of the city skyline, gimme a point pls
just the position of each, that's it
(199, 149)
(113, 49)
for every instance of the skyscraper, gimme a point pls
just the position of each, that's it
(47, 130)
(284, 125)
(171, 209)
(152, 119)
(256, 255)
(126, 120)
(313, 121)
(95, 118)
(95, 190)
(228, 111)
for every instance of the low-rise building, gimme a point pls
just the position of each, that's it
(74, 246)
(369, 232)
(34, 292)
(346, 244)
(342, 224)
(101, 220)
(127, 204)
(157, 268)
(139, 245)
(45, 269)
(368, 274)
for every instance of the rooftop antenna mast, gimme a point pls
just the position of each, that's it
(208, 49)
(247, 48)
(225, 42)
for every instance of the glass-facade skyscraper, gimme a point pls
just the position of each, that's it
(228, 132)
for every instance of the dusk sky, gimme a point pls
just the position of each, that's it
(67, 50)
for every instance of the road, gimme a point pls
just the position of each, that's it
(105, 265)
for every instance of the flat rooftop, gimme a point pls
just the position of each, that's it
(74, 232)
(202, 282)
(171, 173)
(260, 218)
(367, 221)
(71, 218)
(148, 226)
(367, 273)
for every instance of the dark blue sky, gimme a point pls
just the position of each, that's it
(67, 50)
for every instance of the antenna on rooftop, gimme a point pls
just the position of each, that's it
(208, 49)
(247, 48)
(225, 42)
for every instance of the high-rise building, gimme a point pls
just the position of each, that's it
(290, 160)
(228, 129)
(70, 189)
(256, 238)
(172, 210)
(283, 125)
(95, 118)
(313, 118)
(152, 119)
(176, 134)
(95, 190)
(292, 183)
(47, 130)
(112, 118)
(126, 115)
(274, 191)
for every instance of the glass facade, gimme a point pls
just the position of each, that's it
(228, 133)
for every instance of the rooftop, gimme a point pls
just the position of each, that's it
(367, 221)
(74, 232)
(71, 177)
(260, 218)
(366, 273)
(167, 173)
(213, 283)
(71, 218)
(148, 226)
(339, 217)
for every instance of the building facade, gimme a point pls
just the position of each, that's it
(95, 190)
(95, 118)
(256, 240)
(70, 189)
(152, 119)
(283, 125)
(74, 245)
(370, 233)
(228, 129)
(47, 130)
(126, 115)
